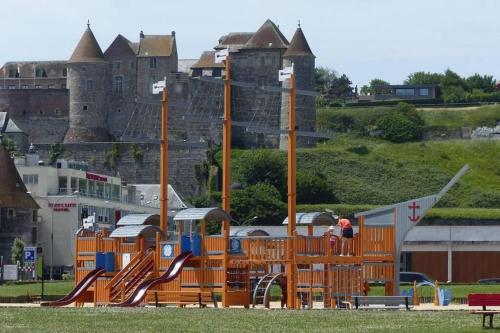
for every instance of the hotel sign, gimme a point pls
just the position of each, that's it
(93, 176)
(62, 206)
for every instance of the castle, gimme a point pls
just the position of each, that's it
(95, 96)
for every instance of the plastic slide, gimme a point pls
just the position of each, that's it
(80, 288)
(171, 273)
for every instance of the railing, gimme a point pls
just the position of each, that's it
(312, 245)
(214, 244)
(85, 244)
(378, 241)
(305, 277)
(378, 271)
(266, 248)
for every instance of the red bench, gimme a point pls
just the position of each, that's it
(484, 300)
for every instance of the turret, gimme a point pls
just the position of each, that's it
(88, 86)
(300, 55)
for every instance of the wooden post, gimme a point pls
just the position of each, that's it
(164, 164)
(226, 172)
(292, 196)
(158, 253)
(436, 293)
(203, 253)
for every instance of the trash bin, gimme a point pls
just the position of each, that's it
(109, 262)
(196, 244)
(185, 243)
(100, 260)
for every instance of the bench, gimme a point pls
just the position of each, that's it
(184, 298)
(484, 300)
(388, 301)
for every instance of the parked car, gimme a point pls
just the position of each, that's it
(489, 281)
(409, 277)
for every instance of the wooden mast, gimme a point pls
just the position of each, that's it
(164, 164)
(226, 170)
(292, 196)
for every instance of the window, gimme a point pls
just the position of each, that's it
(84, 68)
(38, 86)
(52, 86)
(25, 86)
(89, 85)
(85, 108)
(11, 86)
(63, 184)
(40, 112)
(30, 179)
(39, 72)
(12, 72)
(132, 65)
(65, 72)
(11, 212)
(152, 80)
(119, 85)
(405, 92)
(63, 86)
(152, 62)
(424, 91)
(57, 112)
(117, 65)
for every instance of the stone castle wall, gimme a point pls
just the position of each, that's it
(185, 162)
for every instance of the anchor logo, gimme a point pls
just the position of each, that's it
(414, 207)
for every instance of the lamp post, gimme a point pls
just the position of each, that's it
(51, 271)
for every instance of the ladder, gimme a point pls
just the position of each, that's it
(262, 291)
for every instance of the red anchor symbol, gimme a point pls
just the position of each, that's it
(414, 207)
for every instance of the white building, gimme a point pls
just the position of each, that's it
(67, 195)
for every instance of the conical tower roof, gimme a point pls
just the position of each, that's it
(298, 45)
(12, 190)
(87, 50)
(268, 36)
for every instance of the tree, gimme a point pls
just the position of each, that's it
(261, 200)
(485, 83)
(341, 87)
(418, 78)
(330, 85)
(375, 86)
(324, 78)
(16, 253)
(313, 189)
(264, 166)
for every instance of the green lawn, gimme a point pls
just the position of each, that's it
(232, 320)
(54, 288)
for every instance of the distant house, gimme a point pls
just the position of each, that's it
(18, 210)
(401, 92)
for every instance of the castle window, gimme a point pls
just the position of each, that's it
(152, 80)
(119, 110)
(132, 65)
(63, 86)
(89, 85)
(57, 112)
(152, 62)
(65, 72)
(84, 68)
(40, 72)
(24, 112)
(119, 85)
(85, 108)
(12, 72)
(116, 65)
(40, 112)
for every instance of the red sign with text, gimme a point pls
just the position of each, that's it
(93, 176)
(62, 206)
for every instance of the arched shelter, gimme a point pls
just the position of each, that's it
(313, 219)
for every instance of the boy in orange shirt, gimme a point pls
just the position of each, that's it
(347, 235)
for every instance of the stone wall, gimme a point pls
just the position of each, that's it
(185, 161)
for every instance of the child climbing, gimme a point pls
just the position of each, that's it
(347, 235)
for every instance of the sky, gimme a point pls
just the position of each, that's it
(365, 39)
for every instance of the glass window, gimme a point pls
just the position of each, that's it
(119, 85)
(82, 186)
(92, 188)
(100, 189)
(152, 63)
(74, 184)
(30, 179)
(117, 65)
(89, 85)
(132, 65)
(405, 92)
(115, 195)
(63, 184)
(424, 91)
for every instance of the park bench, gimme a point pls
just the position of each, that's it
(387, 301)
(484, 300)
(184, 298)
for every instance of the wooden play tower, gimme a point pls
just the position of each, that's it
(146, 261)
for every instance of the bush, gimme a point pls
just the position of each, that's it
(261, 200)
(264, 166)
(485, 200)
(17, 250)
(397, 127)
(314, 189)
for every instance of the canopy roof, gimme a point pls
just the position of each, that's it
(315, 218)
(135, 231)
(209, 214)
(139, 219)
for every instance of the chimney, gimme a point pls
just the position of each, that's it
(173, 33)
(141, 34)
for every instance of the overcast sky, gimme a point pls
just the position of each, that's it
(387, 39)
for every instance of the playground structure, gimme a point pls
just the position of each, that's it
(143, 261)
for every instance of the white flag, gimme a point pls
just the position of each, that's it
(159, 86)
(221, 55)
(285, 73)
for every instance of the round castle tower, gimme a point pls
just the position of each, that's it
(88, 87)
(299, 53)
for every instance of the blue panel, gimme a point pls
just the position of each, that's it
(185, 243)
(168, 251)
(196, 243)
(109, 262)
(100, 260)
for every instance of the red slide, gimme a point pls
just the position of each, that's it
(172, 272)
(78, 290)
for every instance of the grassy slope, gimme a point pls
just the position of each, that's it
(232, 320)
